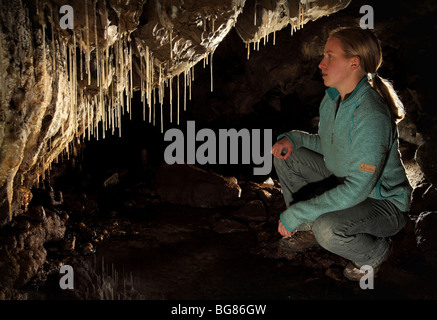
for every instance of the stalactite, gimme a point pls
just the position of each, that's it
(149, 79)
(102, 112)
(107, 68)
(212, 52)
(235, 16)
(130, 70)
(44, 65)
(189, 83)
(120, 63)
(142, 91)
(81, 64)
(153, 106)
(171, 44)
(74, 80)
(2, 80)
(52, 23)
(96, 124)
(248, 49)
(70, 74)
(88, 50)
(178, 93)
(171, 99)
(113, 110)
(160, 95)
(185, 90)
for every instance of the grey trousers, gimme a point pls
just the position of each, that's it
(360, 233)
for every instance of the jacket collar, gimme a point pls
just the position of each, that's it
(333, 93)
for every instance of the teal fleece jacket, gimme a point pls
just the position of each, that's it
(359, 142)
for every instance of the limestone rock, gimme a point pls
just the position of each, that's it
(424, 154)
(260, 18)
(56, 83)
(22, 252)
(253, 211)
(426, 239)
(188, 185)
(224, 226)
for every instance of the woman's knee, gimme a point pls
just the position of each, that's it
(296, 157)
(328, 231)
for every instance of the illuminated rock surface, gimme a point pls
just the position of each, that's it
(258, 62)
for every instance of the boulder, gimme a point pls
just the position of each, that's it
(188, 185)
(426, 237)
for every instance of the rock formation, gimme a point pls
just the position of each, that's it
(67, 76)
(59, 87)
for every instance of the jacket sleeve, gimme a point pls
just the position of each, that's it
(303, 139)
(371, 138)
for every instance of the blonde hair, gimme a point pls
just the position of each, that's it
(364, 44)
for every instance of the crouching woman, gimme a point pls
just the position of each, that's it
(357, 142)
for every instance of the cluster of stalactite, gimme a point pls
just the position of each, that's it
(87, 74)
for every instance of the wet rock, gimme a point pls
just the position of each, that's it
(82, 226)
(253, 211)
(228, 226)
(26, 196)
(424, 198)
(426, 237)
(408, 132)
(424, 154)
(70, 244)
(335, 273)
(22, 252)
(75, 202)
(269, 182)
(264, 191)
(250, 191)
(192, 186)
(88, 249)
(112, 180)
(265, 196)
(56, 198)
(38, 214)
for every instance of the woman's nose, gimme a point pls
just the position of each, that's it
(322, 65)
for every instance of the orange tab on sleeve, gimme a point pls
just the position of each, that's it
(367, 167)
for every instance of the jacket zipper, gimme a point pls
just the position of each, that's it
(335, 118)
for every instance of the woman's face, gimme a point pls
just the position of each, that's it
(336, 68)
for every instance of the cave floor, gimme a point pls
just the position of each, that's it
(169, 252)
(179, 256)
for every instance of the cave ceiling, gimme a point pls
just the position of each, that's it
(64, 78)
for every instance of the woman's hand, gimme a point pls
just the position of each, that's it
(280, 146)
(284, 232)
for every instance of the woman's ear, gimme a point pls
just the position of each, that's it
(355, 62)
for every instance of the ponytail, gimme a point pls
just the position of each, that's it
(388, 93)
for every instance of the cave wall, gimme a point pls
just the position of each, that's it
(62, 86)
(44, 115)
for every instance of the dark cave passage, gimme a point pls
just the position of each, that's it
(134, 228)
